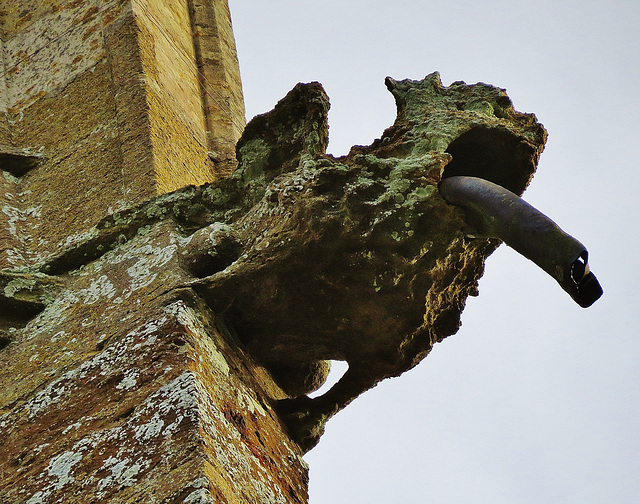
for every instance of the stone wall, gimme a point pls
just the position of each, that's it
(220, 79)
(120, 386)
(117, 385)
(109, 95)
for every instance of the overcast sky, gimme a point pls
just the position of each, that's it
(534, 400)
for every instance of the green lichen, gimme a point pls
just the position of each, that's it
(19, 285)
(255, 158)
(480, 106)
(420, 195)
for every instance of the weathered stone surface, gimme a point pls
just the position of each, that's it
(118, 383)
(222, 97)
(304, 257)
(113, 93)
(123, 388)
(359, 258)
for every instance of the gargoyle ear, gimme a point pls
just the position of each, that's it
(391, 83)
(399, 89)
(273, 143)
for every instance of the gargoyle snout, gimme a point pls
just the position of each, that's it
(495, 212)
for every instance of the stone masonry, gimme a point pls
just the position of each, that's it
(114, 391)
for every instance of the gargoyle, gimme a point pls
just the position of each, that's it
(359, 258)
(310, 258)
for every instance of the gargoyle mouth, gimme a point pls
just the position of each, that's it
(493, 154)
(490, 168)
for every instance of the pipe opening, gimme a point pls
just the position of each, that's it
(587, 289)
(494, 155)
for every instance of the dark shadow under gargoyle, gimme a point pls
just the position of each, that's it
(310, 258)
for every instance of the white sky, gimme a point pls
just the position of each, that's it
(535, 399)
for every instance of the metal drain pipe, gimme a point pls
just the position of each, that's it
(495, 212)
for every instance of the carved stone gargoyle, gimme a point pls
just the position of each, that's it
(310, 258)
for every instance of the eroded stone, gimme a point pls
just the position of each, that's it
(300, 257)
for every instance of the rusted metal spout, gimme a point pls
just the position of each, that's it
(495, 212)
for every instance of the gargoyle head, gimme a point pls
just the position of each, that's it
(359, 258)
